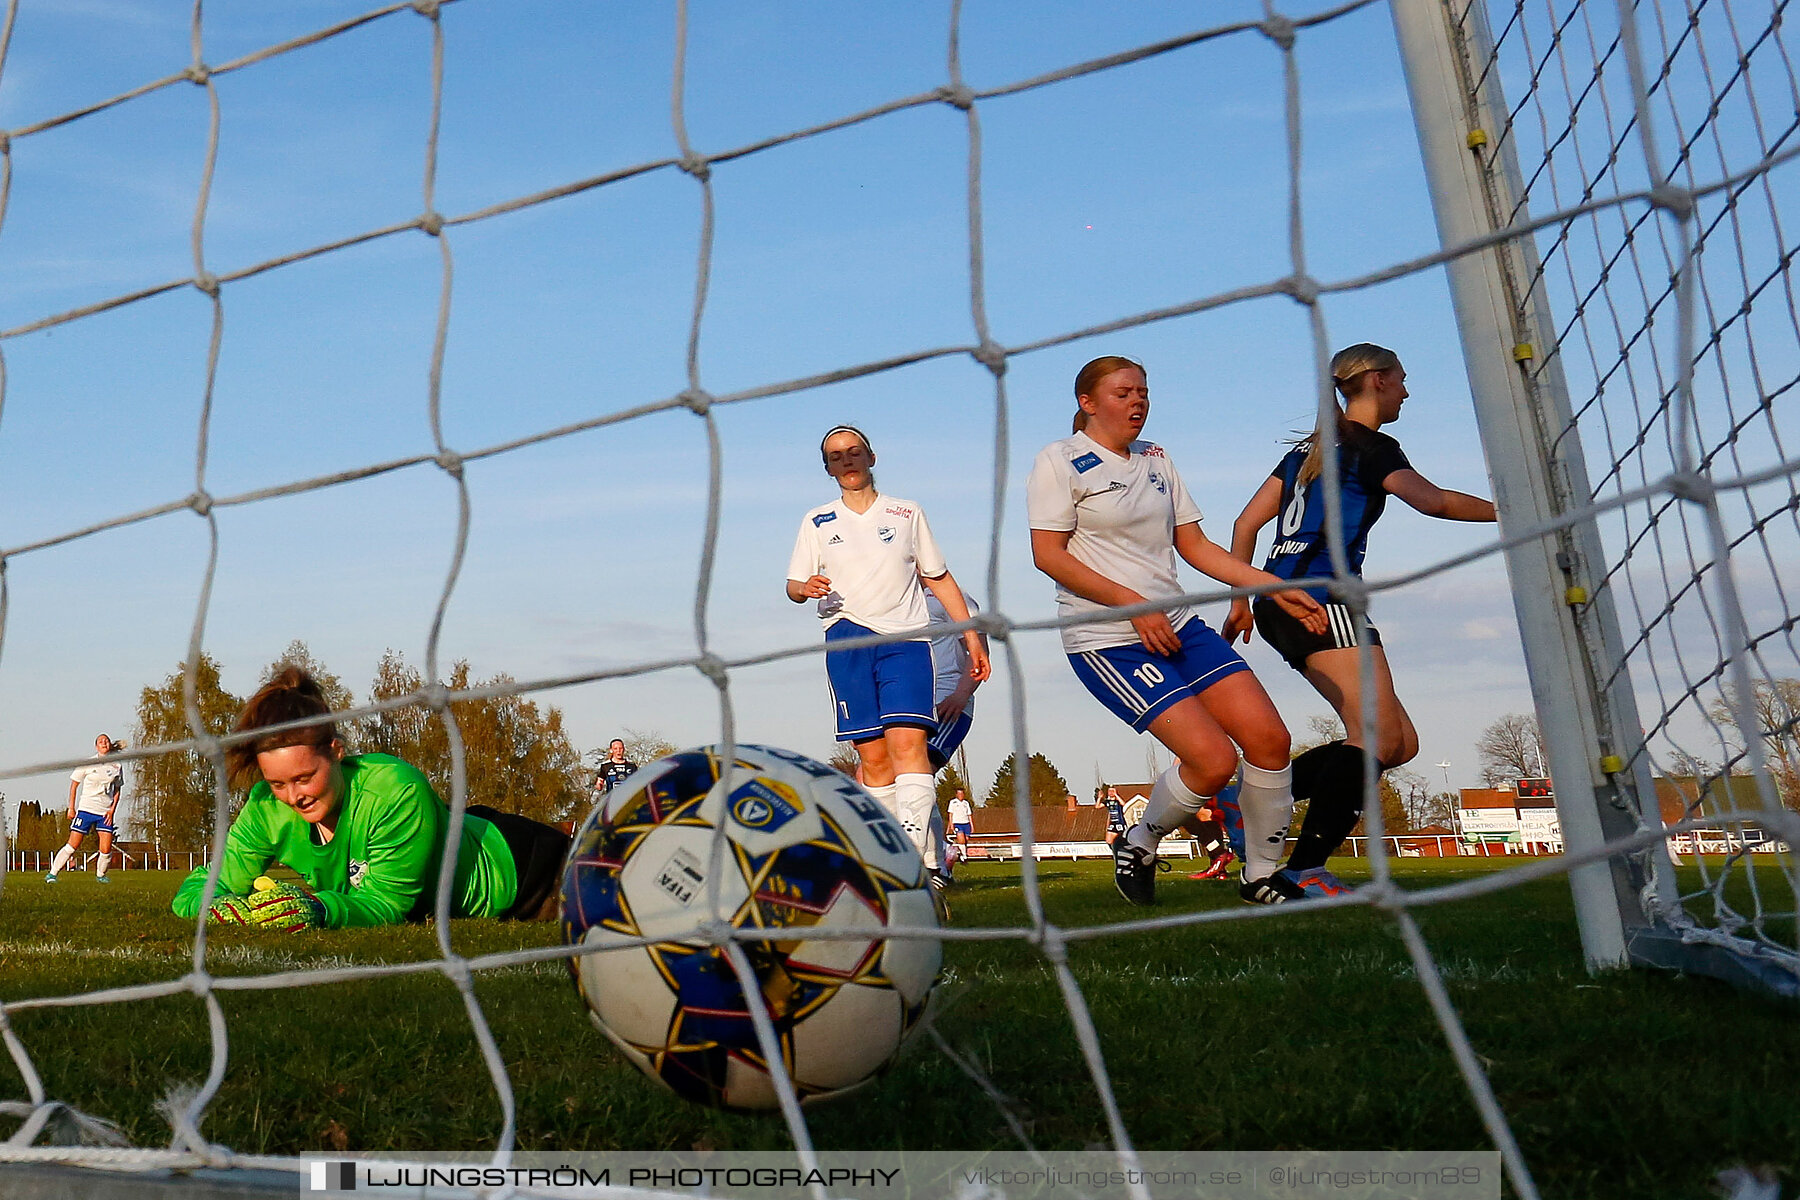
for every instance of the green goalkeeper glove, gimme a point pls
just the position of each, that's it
(285, 906)
(229, 910)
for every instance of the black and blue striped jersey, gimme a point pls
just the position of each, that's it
(1366, 457)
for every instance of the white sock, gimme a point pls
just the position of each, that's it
(917, 800)
(1267, 801)
(1171, 802)
(934, 837)
(105, 862)
(886, 795)
(61, 860)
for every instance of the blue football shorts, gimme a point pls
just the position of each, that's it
(1137, 685)
(873, 687)
(87, 822)
(949, 736)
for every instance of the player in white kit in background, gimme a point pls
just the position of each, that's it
(93, 799)
(864, 557)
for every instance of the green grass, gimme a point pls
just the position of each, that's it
(1306, 1031)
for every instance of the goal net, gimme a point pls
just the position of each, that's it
(1610, 209)
(1634, 157)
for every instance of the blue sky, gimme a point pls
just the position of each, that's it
(1103, 196)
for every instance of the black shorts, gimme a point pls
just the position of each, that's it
(538, 851)
(1294, 642)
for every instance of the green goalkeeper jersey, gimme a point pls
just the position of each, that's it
(381, 865)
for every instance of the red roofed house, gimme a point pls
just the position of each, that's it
(1060, 832)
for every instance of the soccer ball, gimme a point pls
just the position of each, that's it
(779, 842)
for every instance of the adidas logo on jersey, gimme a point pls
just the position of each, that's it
(835, 540)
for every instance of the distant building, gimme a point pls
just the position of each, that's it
(1518, 819)
(1680, 798)
(1061, 832)
(1523, 818)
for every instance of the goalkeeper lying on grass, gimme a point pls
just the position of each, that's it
(365, 832)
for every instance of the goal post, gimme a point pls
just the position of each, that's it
(1562, 579)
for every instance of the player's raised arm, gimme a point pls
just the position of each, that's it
(1261, 509)
(1427, 497)
(1209, 558)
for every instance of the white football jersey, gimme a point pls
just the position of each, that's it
(100, 783)
(1123, 513)
(959, 812)
(873, 559)
(949, 653)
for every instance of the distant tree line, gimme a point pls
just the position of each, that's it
(516, 756)
(1043, 783)
(37, 829)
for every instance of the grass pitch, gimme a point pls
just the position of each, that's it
(1305, 1031)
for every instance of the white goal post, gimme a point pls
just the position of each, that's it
(1566, 581)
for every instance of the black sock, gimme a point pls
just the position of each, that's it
(1336, 807)
(1212, 837)
(1310, 766)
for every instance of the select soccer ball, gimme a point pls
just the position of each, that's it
(781, 843)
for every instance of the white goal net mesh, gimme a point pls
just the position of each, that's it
(1676, 335)
(1677, 331)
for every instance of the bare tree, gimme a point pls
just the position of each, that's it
(1690, 765)
(643, 746)
(1775, 707)
(1320, 728)
(1510, 749)
(843, 757)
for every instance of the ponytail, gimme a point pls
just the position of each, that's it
(1349, 368)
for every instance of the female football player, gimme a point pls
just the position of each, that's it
(864, 557)
(366, 832)
(1371, 467)
(93, 799)
(1108, 515)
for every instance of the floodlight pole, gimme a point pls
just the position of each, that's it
(1535, 463)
